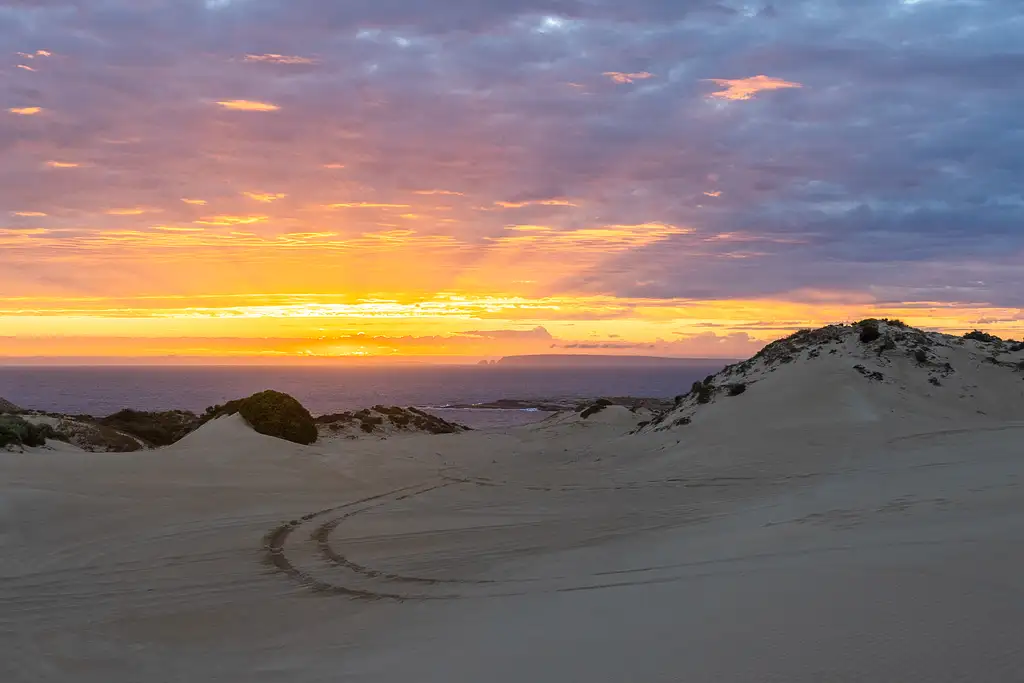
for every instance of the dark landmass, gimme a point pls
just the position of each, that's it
(605, 361)
(554, 405)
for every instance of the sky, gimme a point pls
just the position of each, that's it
(310, 179)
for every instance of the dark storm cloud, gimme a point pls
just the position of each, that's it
(895, 168)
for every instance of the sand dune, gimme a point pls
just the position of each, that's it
(820, 525)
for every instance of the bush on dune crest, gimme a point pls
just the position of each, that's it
(271, 413)
(16, 431)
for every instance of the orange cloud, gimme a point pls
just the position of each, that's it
(195, 202)
(131, 211)
(272, 58)
(448, 193)
(366, 205)
(248, 105)
(265, 197)
(25, 111)
(622, 78)
(44, 53)
(541, 202)
(746, 88)
(25, 67)
(62, 164)
(716, 193)
(231, 220)
(334, 166)
(603, 240)
(28, 214)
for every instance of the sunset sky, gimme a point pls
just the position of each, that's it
(271, 179)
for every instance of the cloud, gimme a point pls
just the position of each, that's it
(131, 211)
(535, 333)
(231, 220)
(265, 197)
(289, 60)
(622, 78)
(25, 111)
(746, 88)
(890, 177)
(535, 202)
(366, 205)
(195, 202)
(248, 105)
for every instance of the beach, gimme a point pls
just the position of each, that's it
(844, 544)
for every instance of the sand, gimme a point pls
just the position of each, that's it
(864, 543)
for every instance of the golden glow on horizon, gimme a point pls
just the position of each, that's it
(283, 326)
(248, 105)
(746, 88)
(25, 111)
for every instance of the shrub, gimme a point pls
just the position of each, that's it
(935, 381)
(921, 356)
(272, 413)
(156, 428)
(869, 331)
(978, 335)
(15, 430)
(1018, 346)
(705, 393)
(594, 408)
(737, 389)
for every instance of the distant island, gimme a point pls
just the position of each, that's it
(605, 361)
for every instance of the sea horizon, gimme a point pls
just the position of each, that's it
(323, 389)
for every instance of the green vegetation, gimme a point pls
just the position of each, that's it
(703, 391)
(155, 428)
(15, 430)
(737, 389)
(272, 413)
(978, 335)
(869, 331)
(595, 407)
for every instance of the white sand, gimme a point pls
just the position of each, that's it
(865, 532)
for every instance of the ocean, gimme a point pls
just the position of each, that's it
(103, 390)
